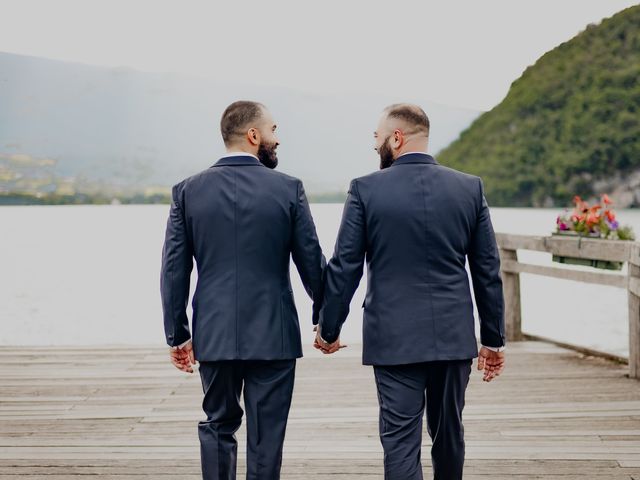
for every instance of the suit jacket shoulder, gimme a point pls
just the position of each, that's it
(290, 182)
(466, 182)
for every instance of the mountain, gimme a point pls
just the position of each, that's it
(569, 125)
(119, 126)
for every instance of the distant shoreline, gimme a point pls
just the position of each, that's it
(17, 199)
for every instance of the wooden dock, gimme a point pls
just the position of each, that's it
(120, 413)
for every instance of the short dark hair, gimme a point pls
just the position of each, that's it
(237, 116)
(412, 114)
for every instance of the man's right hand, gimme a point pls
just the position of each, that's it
(326, 348)
(491, 362)
(183, 358)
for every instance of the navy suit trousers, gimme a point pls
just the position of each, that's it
(403, 393)
(267, 386)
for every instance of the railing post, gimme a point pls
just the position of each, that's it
(511, 289)
(634, 313)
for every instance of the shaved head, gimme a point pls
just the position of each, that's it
(412, 116)
(248, 126)
(403, 128)
(238, 117)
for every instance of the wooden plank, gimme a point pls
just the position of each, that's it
(612, 250)
(581, 247)
(553, 413)
(633, 296)
(634, 284)
(511, 241)
(511, 288)
(578, 348)
(609, 279)
(634, 254)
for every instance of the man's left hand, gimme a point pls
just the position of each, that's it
(326, 348)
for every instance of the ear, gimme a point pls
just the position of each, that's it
(398, 138)
(253, 136)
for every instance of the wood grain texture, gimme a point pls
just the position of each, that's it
(611, 250)
(633, 296)
(511, 291)
(598, 278)
(119, 413)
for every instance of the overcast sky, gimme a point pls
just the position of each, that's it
(463, 53)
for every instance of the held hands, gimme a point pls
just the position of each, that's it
(182, 358)
(491, 362)
(326, 348)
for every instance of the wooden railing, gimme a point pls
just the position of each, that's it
(608, 250)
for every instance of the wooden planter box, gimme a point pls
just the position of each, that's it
(588, 262)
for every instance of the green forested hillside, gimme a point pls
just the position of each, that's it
(571, 119)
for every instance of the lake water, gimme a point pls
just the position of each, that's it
(75, 275)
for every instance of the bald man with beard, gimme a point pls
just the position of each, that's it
(416, 222)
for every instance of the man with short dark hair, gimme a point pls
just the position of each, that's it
(416, 221)
(241, 221)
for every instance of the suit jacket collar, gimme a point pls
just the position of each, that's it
(236, 160)
(414, 157)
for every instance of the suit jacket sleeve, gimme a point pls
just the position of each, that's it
(344, 270)
(306, 251)
(177, 263)
(484, 265)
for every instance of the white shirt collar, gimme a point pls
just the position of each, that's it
(240, 154)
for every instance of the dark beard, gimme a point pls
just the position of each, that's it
(267, 155)
(386, 155)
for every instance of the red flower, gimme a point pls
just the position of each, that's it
(606, 199)
(610, 215)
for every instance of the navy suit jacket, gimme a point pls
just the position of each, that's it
(241, 222)
(415, 222)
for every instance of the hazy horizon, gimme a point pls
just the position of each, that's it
(304, 46)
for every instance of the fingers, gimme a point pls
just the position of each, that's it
(180, 365)
(182, 359)
(493, 368)
(317, 341)
(491, 363)
(481, 363)
(334, 347)
(327, 348)
(488, 375)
